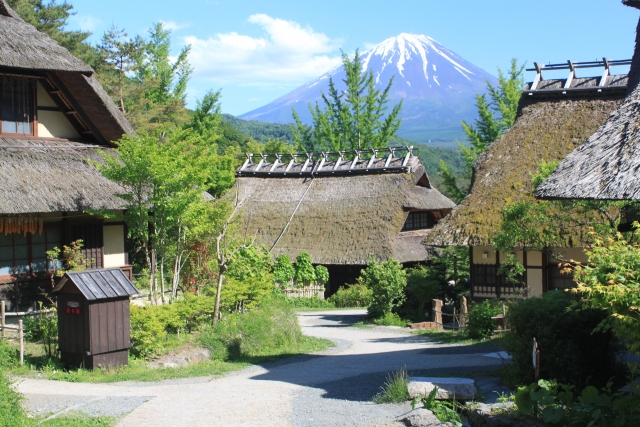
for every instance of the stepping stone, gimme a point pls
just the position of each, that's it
(448, 388)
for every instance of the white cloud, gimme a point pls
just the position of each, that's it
(287, 53)
(174, 26)
(85, 22)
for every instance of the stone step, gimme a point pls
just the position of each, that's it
(448, 388)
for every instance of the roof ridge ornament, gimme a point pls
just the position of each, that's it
(632, 3)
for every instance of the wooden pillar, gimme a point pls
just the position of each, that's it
(437, 313)
(2, 321)
(472, 276)
(464, 311)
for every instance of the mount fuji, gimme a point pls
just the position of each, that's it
(437, 85)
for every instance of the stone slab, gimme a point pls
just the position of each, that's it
(423, 325)
(448, 388)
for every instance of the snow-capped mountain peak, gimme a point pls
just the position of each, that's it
(438, 86)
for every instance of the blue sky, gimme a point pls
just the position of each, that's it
(256, 51)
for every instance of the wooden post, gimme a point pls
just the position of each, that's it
(464, 311)
(437, 313)
(2, 320)
(21, 336)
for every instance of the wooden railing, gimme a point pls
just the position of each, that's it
(7, 330)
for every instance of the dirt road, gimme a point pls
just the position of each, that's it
(331, 388)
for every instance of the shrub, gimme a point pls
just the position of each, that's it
(395, 388)
(264, 331)
(42, 329)
(304, 268)
(571, 352)
(283, 270)
(357, 295)
(424, 284)
(387, 281)
(11, 411)
(8, 355)
(148, 330)
(390, 319)
(322, 274)
(313, 302)
(481, 325)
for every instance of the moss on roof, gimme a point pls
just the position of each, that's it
(545, 130)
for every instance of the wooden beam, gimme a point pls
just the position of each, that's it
(306, 163)
(246, 163)
(337, 165)
(406, 158)
(259, 165)
(386, 164)
(289, 165)
(324, 158)
(538, 79)
(572, 75)
(605, 73)
(275, 163)
(355, 160)
(373, 158)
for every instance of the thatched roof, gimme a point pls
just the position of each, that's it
(607, 165)
(53, 178)
(25, 50)
(343, 218)
(547, 128)
(22, 46)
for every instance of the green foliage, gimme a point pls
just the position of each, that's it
(356, 295)
(444, 411)
(322, 274)
(387, 281)
(570, 351)
(8, 355)
(283, 270)
(556, 404)
(355, 119)
(481, 325)
(260, 131)
(304, 268)
(390, 319)
(71, 256)
(11, 411)
(424, 284)
(450, 183)
(43, 329)
(610, 282)
(269, 330)
(313, 302)
(487, 128)
(148, 330)
(395, 388)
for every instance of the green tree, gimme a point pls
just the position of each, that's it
(304, 269)
(122, 56)
(387, 280)
(496, 116)
(52, 18)
(283, 270)
(354, 119)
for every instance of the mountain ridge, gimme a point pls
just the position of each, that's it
(437, 85)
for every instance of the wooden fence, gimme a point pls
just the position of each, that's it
(305, 292)
(12, 331)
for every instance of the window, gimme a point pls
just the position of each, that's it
(16, 105)
(419, 221)
(20, 254)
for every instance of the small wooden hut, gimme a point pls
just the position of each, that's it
(56, 117)
(606, 166)
(554, 117)
(93, 318)
(341, 208)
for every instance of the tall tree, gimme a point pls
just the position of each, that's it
(353, 119)
(122, 56)
(495, 118)
(51, 18)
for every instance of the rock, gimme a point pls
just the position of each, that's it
(422, 418)
(423, 325)
(448, 388)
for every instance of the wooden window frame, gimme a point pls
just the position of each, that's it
(430, 220)
(33, 112)
(31, 273)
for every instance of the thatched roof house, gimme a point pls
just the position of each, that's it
(55, 118)
(341, 211)
(607, 165)
(554, 117)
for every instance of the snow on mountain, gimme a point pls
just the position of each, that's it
(437, 85)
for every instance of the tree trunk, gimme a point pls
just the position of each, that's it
(216, 310)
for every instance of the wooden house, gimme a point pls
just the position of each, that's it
(606, 166)
(55, 117)
(341, 208)
(554, 117)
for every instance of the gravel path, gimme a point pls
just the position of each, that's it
(330, 388)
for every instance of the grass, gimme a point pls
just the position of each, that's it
(391, 319)
(395, 388)
(457, 337)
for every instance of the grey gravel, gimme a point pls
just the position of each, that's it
(329, 388)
